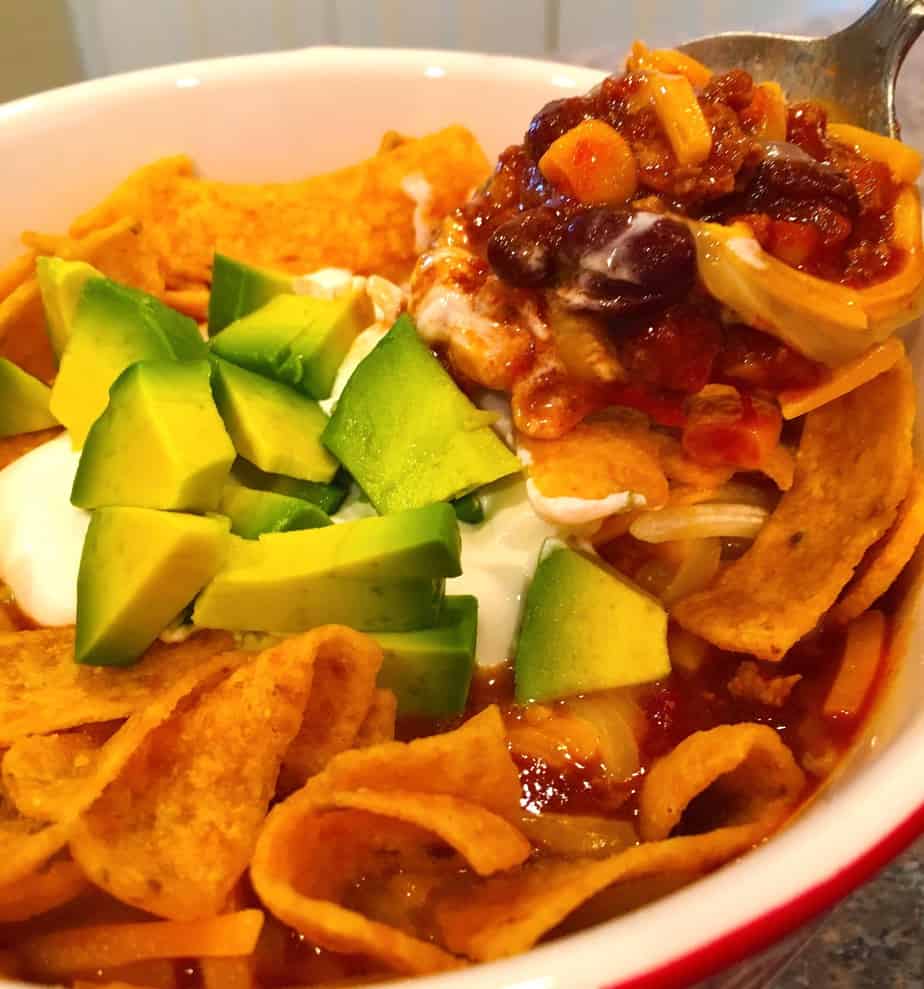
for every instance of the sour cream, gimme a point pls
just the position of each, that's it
(498, 560)
(41, 533)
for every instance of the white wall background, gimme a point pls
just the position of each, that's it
(117, 35)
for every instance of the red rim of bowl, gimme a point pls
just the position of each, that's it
(775, 924)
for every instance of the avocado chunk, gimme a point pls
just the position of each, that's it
(160, 443)
(254, 512)
(272, 425)
(430, 671)
(114, 326)
(328, 497)
(23, 401)
(61, 283)
(407, 433)
(297, 339)
(377, 574)
(239, 289)
(469, 508)
(586, 628)
(139, 569)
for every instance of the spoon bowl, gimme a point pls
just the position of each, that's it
(852, 71)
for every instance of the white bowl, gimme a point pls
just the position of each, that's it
(281, 116)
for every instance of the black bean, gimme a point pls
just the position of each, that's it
(779, 181)
(523, 250)
(617, 262)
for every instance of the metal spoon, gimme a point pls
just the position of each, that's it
(852, 71)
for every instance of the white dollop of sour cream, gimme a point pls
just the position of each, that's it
(41, 533)
(568, 511)
(420, 192)
(498, 560)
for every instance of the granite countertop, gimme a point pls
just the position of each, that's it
(875, 938)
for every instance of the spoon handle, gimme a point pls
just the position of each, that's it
(886, 31)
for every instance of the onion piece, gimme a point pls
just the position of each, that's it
(619, 722)
(729, 521)
(578, 834)
(699, 566)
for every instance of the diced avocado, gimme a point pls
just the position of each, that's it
(377, 574)
(239, 289)
(254, 512)
(23, 401)
(586, 628)
(272, 425)
(114, 326)
(160, 443)
(61, 283)
(328, 497)
(243, 602)
(297, 339)
(430, 671)
(139, 569)
(469, 509)
(407, 433)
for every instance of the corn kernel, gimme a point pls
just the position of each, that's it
(680, 115)
(592, 162)
(643, 59)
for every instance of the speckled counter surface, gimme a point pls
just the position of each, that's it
(873, 940)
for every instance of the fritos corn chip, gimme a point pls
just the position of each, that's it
(379, 724)
(886, 559)
(503, 915)
(358, 217)
(458, 787)
(346, 666)
(212, 766)
(43, 690)
(59, 882)
(851, 476)
(27, 844)
(44, 774)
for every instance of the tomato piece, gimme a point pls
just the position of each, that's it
(727, 427)
(675, 351)
(793, 242)
(759, 360)
(664, 409)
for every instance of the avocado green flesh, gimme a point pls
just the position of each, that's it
(248, 601)
(254, 512)
(272, 425)
(407, 433)
(469, 508)
(586, 628)
(298, 340)
(139, 569)
(376, 574)
(114, 326)
(160, 443)
(430, 671)
(238, 289)
(328, 497)
(23, 401)
(61, 283)
(421, 542)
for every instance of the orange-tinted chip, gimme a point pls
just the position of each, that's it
(174, 831)
(43, 690)
(886, 559)
(342, 694)
(853, 469)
